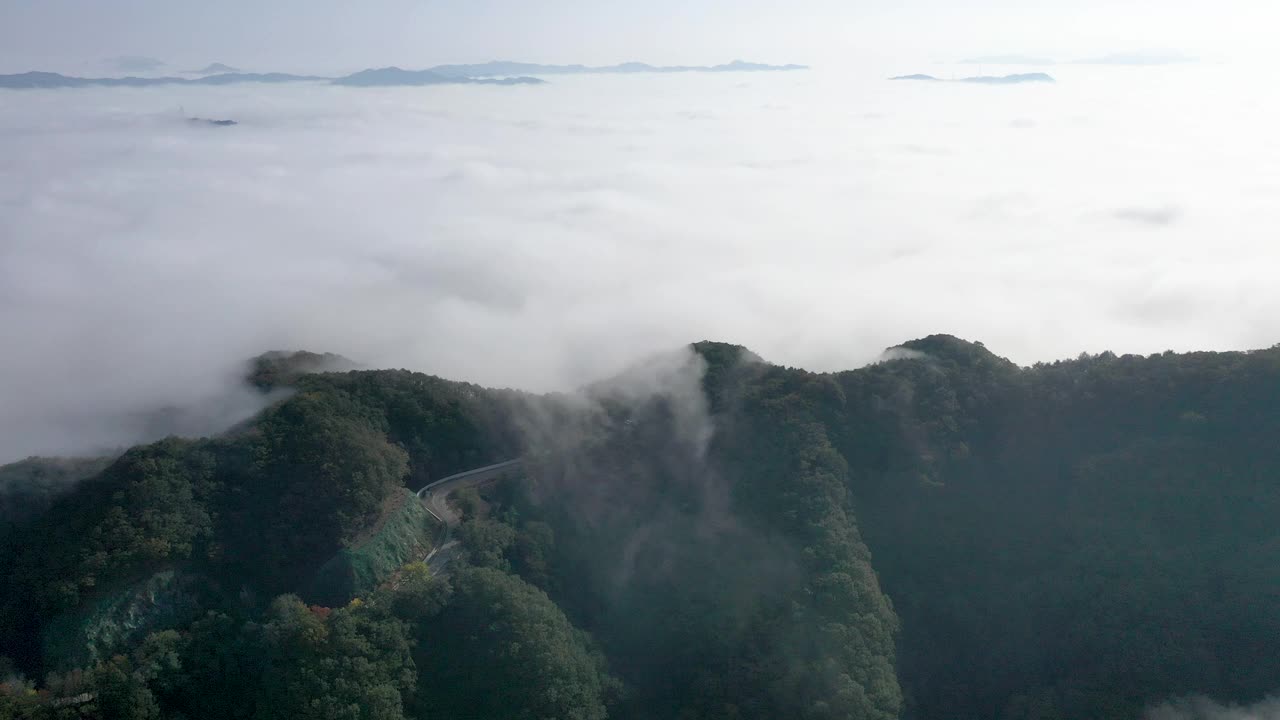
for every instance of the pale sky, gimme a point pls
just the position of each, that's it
(334, 35)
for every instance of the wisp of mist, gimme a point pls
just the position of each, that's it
(545, 236)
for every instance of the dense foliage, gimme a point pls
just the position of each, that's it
(1077, 539)
(502, 649)
(29, 487)
(942, 534)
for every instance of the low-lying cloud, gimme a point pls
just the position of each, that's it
(1203, 708)
(544, 237)
(1154, 216)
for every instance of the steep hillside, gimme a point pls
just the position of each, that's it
(941, 534)
(405, 532)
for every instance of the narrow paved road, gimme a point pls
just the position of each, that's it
(436, 498)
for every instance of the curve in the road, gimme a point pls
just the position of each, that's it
(435, 494)
(436, 498)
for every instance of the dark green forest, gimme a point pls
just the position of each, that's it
(940, 535)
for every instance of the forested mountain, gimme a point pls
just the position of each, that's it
(943, 534)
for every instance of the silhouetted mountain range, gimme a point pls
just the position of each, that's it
(491, 73)
(496, 68)
(56, 80)
(394, 76)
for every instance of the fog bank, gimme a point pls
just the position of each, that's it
(544, 237)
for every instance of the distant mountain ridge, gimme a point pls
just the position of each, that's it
(985, 79)
(490, 73)
(499, 67)
(394, 76)
(56, 80)
(212, 69)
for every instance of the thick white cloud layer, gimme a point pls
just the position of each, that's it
(542, 237)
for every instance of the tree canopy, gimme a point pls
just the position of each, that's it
(941, 534)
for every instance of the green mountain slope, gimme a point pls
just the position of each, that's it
(942, 534)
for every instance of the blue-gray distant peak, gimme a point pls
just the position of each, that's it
(986, 79)
(508, 68)
(55, 80)
(394, 76)
(1010, 79)
(365, 78)
(491, 73)
(232, 78)
(212, 69)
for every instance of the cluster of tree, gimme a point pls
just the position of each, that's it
(256, 511)
(481, 647)
(251, 515)
(722, 580)
(1076, 539)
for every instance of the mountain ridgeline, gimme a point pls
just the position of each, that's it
(943, 534)
(1015, 79)
(490, 73)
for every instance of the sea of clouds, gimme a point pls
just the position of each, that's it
(545, 237)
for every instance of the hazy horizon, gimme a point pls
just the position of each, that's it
(331, 36)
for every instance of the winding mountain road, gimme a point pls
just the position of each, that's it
(436, 497)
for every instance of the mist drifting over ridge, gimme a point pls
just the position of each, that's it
(543, 237)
